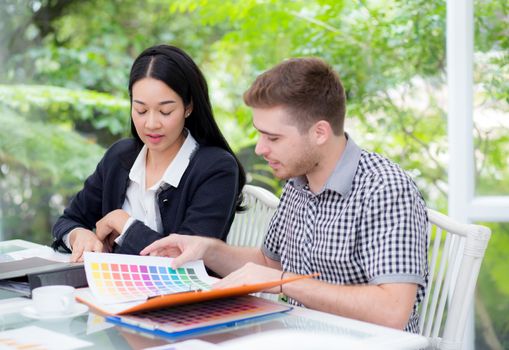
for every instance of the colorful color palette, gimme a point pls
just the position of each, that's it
(187, 315)
(118, 277)
(191, 316)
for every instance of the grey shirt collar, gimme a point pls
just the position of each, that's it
(342, 177)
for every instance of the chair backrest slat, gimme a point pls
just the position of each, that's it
(448, 263)
(249, 227)
(431, 276)
(437, 285)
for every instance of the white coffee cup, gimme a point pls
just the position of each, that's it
(53, 300)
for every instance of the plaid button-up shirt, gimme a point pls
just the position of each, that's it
(368, 225)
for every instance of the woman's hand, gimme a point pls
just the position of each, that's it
(83, 240)
(110, 226)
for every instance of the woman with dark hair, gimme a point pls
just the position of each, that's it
(176, 175)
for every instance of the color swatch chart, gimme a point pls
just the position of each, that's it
(115, 278)
(213, 312)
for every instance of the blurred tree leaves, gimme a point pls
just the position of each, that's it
(81, 110)
(41, 165)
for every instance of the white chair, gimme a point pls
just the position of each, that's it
(249, 227)
(456, 251)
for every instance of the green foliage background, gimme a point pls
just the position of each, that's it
(63, 94)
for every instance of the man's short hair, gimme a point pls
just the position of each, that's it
(308, 88)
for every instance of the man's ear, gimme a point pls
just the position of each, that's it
(321, 132)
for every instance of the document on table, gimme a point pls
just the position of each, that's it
(18, 249)
(39, 338)
(19, 258)
(14, 245)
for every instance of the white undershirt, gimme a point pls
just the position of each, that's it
(141, 203)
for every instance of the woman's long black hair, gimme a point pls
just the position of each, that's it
(176, 69)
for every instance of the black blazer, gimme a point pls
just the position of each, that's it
(203, 204)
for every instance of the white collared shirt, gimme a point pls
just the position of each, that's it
(140, 203)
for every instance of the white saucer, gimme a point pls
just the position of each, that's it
(30, 312)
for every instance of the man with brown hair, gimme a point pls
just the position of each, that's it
(352, 216)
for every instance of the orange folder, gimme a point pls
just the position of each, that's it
(84, 296)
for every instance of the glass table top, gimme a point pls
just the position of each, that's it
(104, 335)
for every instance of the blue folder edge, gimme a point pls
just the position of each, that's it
(204, 329)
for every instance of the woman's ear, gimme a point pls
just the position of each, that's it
(189, 109)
